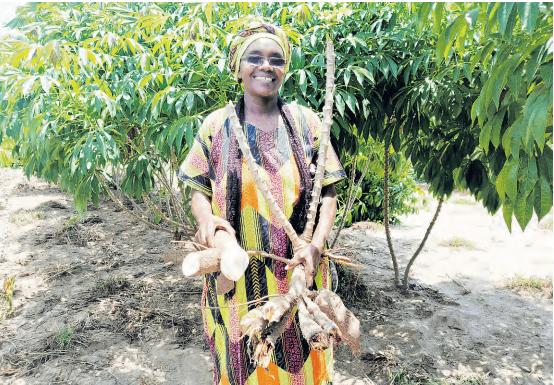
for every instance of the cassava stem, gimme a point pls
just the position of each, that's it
(256, 175)
(324, 142)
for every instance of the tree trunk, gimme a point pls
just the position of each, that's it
(387, 229)
(412, 260)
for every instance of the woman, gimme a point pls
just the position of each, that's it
(284, 140)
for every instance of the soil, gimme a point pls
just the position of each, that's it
(100, 298)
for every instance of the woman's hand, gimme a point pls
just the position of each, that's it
(207, 228)
(308, 256)
(208, 223)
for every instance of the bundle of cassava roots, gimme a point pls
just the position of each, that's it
(322, 316)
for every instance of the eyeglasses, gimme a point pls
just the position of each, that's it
(259, 60)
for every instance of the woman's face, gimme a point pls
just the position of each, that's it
(263, 80)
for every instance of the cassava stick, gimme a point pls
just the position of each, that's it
(323, 144)
(256, 175)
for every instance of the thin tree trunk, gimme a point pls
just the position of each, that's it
(387, 229)
(412, 260)
(351, 198)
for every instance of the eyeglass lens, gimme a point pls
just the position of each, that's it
(259, 60)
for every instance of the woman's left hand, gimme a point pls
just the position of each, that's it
(309, 256)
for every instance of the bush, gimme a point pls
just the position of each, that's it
(370, 198)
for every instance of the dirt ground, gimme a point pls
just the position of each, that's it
(100, 299)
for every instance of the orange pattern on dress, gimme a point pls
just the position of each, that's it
(318, 366)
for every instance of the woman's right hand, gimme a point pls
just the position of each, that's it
(207, 228)
(208, 223)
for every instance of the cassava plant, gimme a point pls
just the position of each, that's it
(323, 318)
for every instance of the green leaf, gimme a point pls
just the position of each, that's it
(511, 139)
(296, 59)
(525, 178)
(528, 14)
(497, 126)
(417, 62)
(515, 79)
(28, 85)
(542, 200)
(350, 101)
(472, 16)
(189, 101)
(301, 78)
(347, 74)
(359, 76)
(313, 79)
(367, 74)
(485, 135)
(437, 17)
(46, 83)
(546, 74)
(523, 210)
(503, 13)
(339, 102)
(533, 63)
(101, 145)
(545, 164)
(507, 211)
(537, 120)
(506, 182)
(393, 66)
(189, 134)
(179, 104)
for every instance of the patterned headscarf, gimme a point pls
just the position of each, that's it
(252, 32)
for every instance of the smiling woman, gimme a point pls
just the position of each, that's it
(284, 140)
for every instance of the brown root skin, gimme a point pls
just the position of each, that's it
(276, 308)
(253, 323)
(298, 281)
(331, 304)
(310, 329)
(322, 320)
(264, 348)
(320, 341)
(224, 284)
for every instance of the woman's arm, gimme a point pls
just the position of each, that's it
(309, 256)
(327, 214)
(208, 223)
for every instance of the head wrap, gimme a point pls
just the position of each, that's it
(251, 33)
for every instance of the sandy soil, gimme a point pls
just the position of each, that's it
(100, 299)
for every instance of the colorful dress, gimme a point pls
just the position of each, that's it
(205, 169)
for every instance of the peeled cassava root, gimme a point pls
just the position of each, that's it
(323, 318)
(227, 256)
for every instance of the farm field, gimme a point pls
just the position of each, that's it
(100, 298)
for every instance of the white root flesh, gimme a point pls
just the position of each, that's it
(227, 256)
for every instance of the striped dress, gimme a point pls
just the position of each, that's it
(205, 169)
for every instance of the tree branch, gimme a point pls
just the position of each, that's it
(162, 215)
(122, 206)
